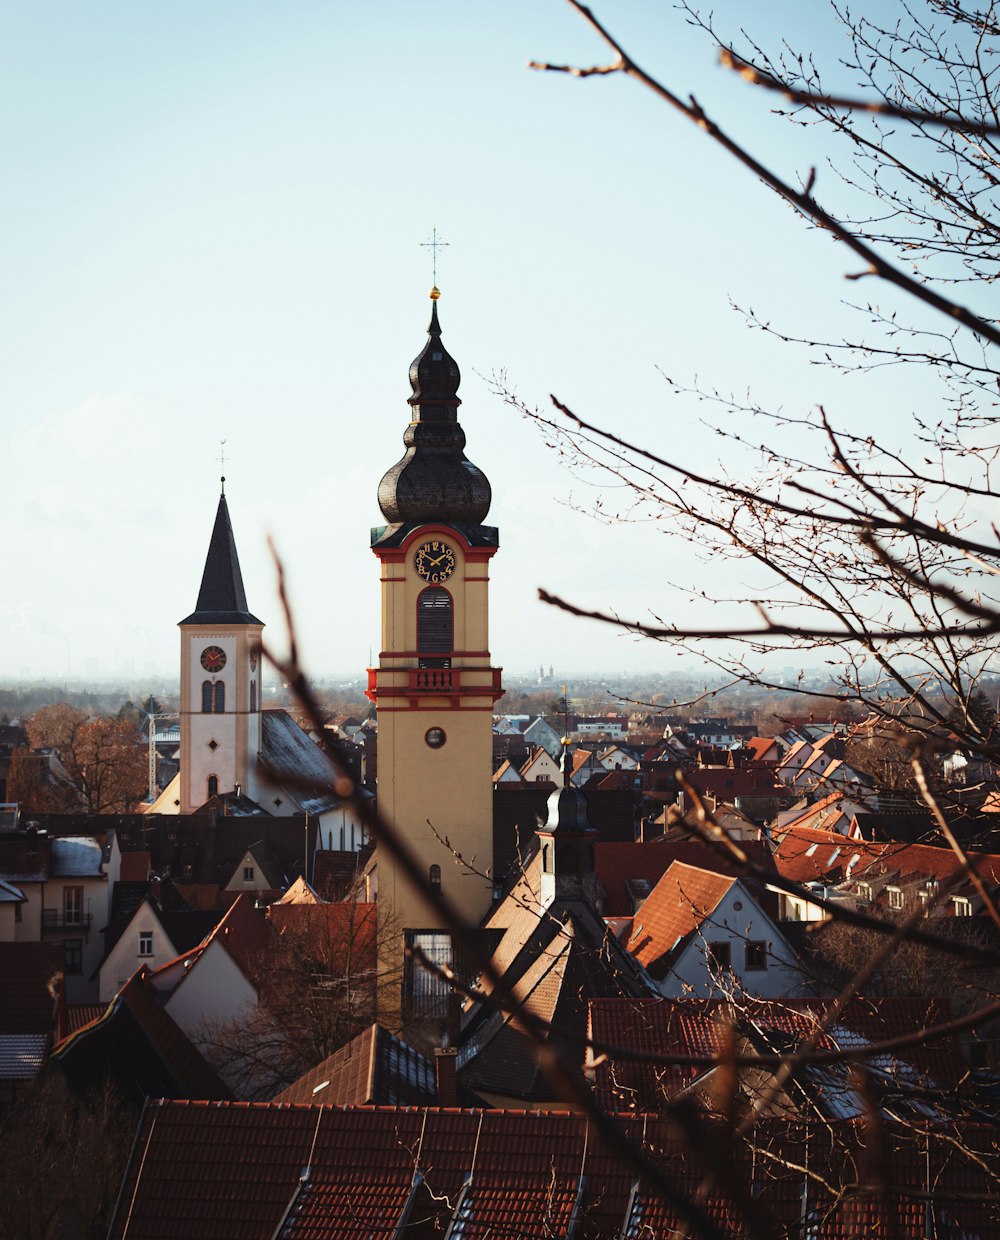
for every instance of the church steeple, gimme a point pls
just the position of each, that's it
(434, 481)
(222, 598)
(220, 679)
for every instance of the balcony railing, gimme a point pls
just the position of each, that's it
(452, 680)
(434, 679)
(61, 919)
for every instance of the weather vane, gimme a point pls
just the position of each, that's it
(433, 244)
(222, 463)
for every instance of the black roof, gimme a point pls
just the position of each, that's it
(222, 599)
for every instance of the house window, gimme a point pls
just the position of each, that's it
(206, 697)
(434, 879)
(864, 891)
(963, 906)
(720, 955)
(73, 956)
(248, 873)
(755, 955)
(213, 785)
(435, 621)
(435, 738)
(895, 897)
(145, 942)
(220, 697)
(73, 906)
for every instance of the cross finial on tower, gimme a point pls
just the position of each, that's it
(434, 244)
(222, 463)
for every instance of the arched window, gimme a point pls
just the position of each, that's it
(253, 696)
(220, 697)
(435, 627)
(213, 785)
(434, 879)
(206, 697)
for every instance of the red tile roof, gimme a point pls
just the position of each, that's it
(807, 854)
(617, 863)
(683, 898)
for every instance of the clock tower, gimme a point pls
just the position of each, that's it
(434, 687)
(220, 679)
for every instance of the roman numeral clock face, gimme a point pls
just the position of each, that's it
(434, 561)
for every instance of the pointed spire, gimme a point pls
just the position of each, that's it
(222, 598)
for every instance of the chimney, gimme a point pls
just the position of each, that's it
(445, 1064)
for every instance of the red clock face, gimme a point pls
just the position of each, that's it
(213, 659)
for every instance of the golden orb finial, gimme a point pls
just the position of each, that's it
(435, 293)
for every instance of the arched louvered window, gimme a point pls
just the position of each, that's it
(206, 697)
(220, 697)
(213, 785)
(435, 627)
(253, 696)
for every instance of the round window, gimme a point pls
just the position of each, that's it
(435, 737)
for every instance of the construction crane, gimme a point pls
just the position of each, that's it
(170, 714)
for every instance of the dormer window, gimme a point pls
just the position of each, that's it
(248, 874)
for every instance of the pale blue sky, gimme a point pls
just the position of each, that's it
(209, 228)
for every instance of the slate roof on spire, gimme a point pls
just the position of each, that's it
(222, 599)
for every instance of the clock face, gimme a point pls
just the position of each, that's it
(213, 659)
(434, 561)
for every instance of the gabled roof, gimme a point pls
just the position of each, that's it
(290, 757)
(540, 757)
(615, 863)
(265, 859)
(221, 599)
(299, 893)
(554, 961)
(683, 899)
(375, 1067)
(137, 1043)
(245, 935)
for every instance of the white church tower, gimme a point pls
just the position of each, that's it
(220, 679)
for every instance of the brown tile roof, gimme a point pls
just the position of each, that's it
(375, 1067)
(256, 1171)
(652, 1027)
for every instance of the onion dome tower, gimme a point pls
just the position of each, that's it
(434, 481)
(434, 686)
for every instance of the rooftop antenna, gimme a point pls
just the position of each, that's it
(434, 244)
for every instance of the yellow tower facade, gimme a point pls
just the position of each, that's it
(434, 686)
